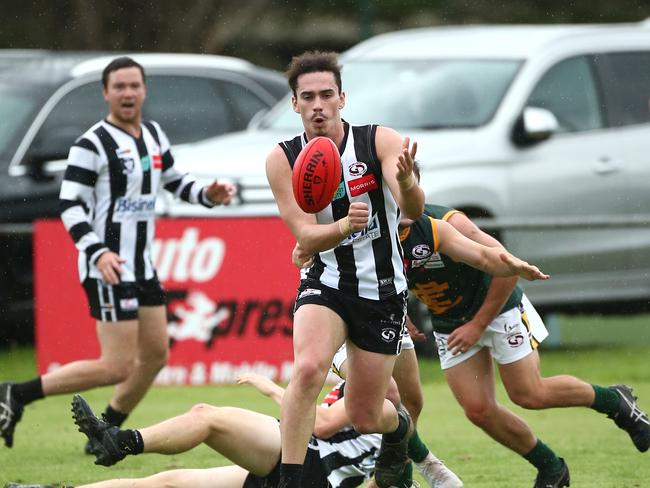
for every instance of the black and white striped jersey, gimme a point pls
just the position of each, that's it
(368, 263)
(348, 457)
(108, 195)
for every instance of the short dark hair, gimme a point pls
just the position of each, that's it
(313, 62)
(119, 63)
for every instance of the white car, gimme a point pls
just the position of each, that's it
(542, 130)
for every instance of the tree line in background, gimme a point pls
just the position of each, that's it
(268, 32)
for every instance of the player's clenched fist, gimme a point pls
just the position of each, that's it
(358, 215)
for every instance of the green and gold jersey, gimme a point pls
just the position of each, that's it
(453, 292)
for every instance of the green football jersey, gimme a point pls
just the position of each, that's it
(453, 292)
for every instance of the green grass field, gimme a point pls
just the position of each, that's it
(49, 449)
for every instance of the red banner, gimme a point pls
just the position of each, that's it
(230, 288)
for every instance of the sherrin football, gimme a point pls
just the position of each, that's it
(316, 174)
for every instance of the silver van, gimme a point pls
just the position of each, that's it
(542, 130)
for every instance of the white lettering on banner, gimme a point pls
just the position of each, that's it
(221, 372)
(188, 258)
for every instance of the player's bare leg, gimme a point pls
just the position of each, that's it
(222, 477)
(151, 357)
(118, 341)
(317, 333)
(472, 383)
(407, 376)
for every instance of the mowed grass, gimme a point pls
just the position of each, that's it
(49, 449)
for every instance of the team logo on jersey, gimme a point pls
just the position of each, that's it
(421, 251)
(145, 162)
(388, 335)
(340, 192)
(126, 161)
(357, 169)
(364, 184)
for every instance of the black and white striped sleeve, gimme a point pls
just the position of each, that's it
(77, 200)
(182, 185)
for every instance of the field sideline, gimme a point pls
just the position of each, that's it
(48, 449)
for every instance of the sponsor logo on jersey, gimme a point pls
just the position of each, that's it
(386, 282)
(359, 186)
(157, 161)
(134, 208)
(388, 335)
(372, 232)
(128, 304)
(510, 328)
(340, 192)
(431, 262)
(308, 293)
(357, 169)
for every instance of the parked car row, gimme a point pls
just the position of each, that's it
(541, 130)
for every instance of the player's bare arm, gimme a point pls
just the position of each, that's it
(493, 260)
(397, 158)
(498, 292)
(311, 236)
(329, 420)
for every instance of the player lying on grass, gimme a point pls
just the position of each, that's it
(406, 389)
(337, 454)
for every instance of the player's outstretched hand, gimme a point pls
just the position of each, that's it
(522, 268)
(220, 192)
(262, 383)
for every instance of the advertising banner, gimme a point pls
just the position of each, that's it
(230, 287)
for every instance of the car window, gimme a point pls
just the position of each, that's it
(568, 89)
(626, 86)
(417, 94)
(73, 115)
(17, 107)
(192, 108)
(245, 104)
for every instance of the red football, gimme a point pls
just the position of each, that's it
(316, 174)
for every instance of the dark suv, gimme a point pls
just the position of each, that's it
(48, 99)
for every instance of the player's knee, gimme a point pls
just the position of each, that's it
(364, 421)
(117, 371)
(527, 400)
(479, 414)
(155, 358)
(202, 412)
(309, 373)
(414, 406)
(392, 394)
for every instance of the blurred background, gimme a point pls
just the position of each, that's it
(268, 32)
